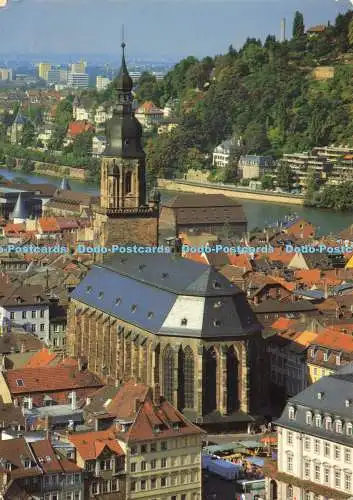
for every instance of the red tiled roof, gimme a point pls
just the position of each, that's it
(148, 108)
(335, 340)
(53, 378)
(90, 445)
(79, 127)
(41, 358)
(49, 225)
(241, 260)
(15, 228)
(283, 323)
(49, 462)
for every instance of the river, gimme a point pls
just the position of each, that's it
(259, 213)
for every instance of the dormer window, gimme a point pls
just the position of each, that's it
(156, 429)
(328, 423)
(217, 322)
(89, 289)
(339, 426)
(150, 315)
(184, 322)
(101, 295)
(117, 301)
(349, 429)
(348, 403)
(326, 356)
(318, 420)
(320, 395)
(291, 413)
(338, 359)
(309, 418)
(133, 307)
(216, 285)
(38, 298)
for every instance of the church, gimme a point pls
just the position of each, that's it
(176, 325)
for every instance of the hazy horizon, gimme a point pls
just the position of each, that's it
(155, 29)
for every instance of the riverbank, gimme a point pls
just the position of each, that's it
(235, 192)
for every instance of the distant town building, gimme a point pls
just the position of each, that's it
(102, 82)
(149, 115)
(223, 154)
(99, 143)
(43, 70)
(77, 80)
(302, 164)
(206, 213)
(79, 67)
(53, 76)
(6, 74)
(254, 166)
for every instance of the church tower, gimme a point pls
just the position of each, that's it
(124, 215)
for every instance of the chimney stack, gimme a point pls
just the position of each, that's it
(73, 401)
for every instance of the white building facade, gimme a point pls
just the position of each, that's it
(315, 444)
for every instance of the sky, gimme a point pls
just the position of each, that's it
(153, 28)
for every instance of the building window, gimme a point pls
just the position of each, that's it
(168, 373)
(164, 446)
(143, 484)
(316, 446)
(143, 466)
(33, 328)
(328, 423)
(289, 463)
(307, 495)
(12, 315)
(347, 455)
(306, 470)
(318, 420)
(289, 437)
(133, 450)
(337, 478)
(42, 313)
(337, 452)
(163, 482)
(349, 429)
(317, 472)
(326, 475)
(153, 447)
(153, 483)
(106, 464)
(133, 467)
(153, 463)
(309, 418)
(289, 492)
(133, 486)
(163, 463)
(42, 327)
(291, 413)
(189, 377)
(339, 427)
(23, 314)
(348, 481)
(143, 448)
(34, 314)
(307, 443)
(327, 449)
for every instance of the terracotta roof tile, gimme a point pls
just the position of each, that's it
(49, 225)
(335, 340)
(41, 358)
(90, 445)
(53, 378)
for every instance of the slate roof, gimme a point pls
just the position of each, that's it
(167, 294)
(20, 211)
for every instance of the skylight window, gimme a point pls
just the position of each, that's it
(19, 383)
(133, 307)
(217, 322)
(89, 289)
(184, 322)
(100, 295)
(118, 301)
(150, 315)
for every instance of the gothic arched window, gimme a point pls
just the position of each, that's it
(128, 182)
(168, 370)
(189, 377)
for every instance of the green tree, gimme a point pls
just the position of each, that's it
(267, 182)
(10, 162)
(27, 166)
(285, 178)
(28, 135)
(298, 25)
(312, 187)
(57, 138)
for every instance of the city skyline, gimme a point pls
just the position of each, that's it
(172, 29)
